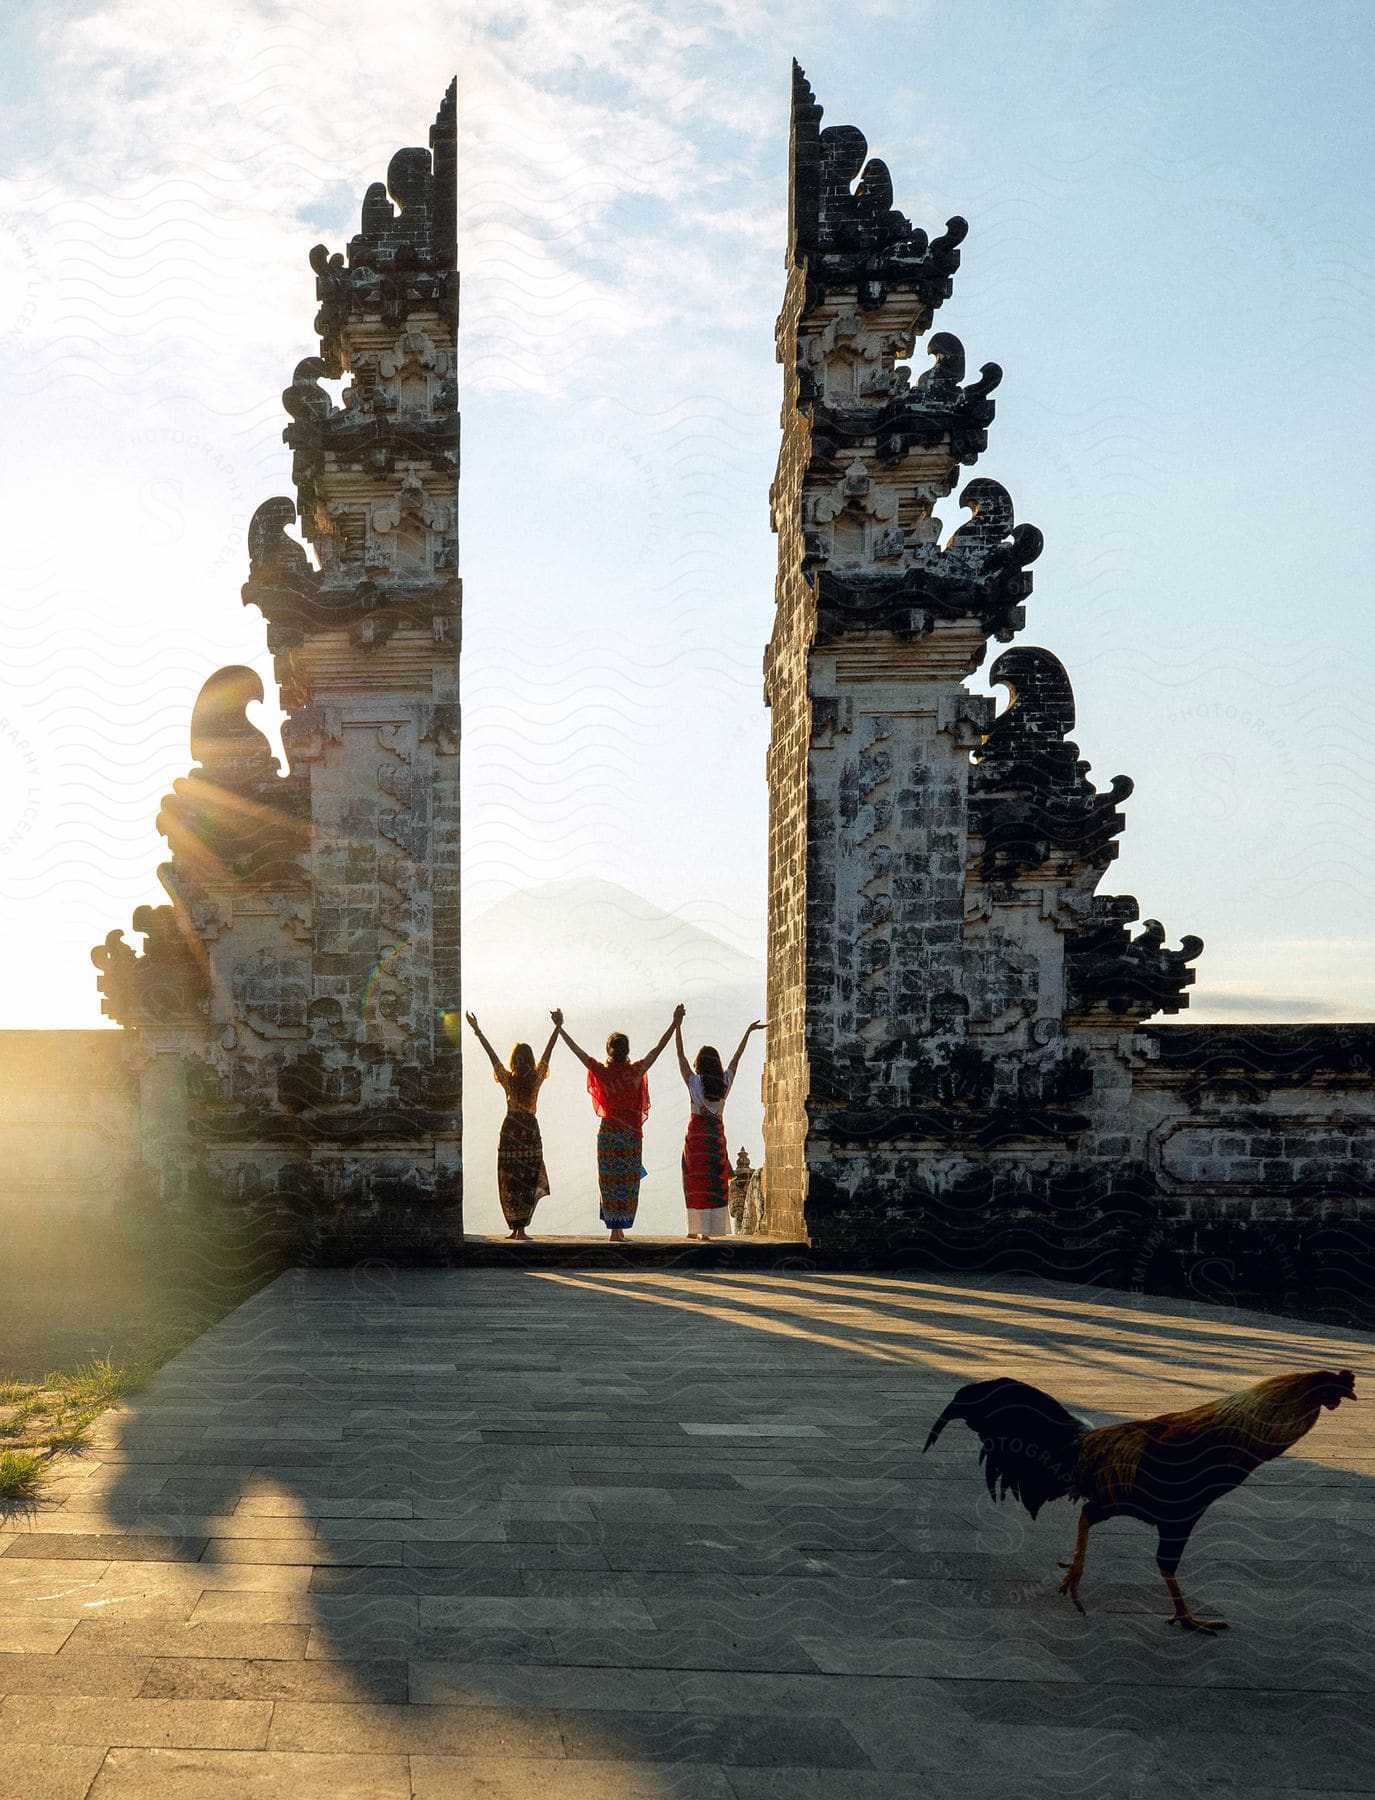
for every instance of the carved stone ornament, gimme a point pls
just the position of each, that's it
(1030, 795)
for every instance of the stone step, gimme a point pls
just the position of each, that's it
(637, 1252)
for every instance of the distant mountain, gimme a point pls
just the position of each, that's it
(614, 961)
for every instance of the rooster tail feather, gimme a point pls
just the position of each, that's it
(951, 1412)
(1028, 1442)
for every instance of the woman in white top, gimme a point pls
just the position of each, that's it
(706, 1166)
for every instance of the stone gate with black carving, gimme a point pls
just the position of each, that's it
(960, 1062)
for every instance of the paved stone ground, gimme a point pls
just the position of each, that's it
(645, 1534)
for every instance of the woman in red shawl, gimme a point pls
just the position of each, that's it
(620, 1095)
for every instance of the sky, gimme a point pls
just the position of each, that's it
(1171, 254)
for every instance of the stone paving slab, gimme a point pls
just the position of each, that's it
(238, 1775)
(635, 1533)
(67, 1774)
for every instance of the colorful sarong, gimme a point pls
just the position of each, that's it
(706, 1166)
(522, 1180)
(619, 1173)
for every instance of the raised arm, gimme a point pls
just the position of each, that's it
(472, 1020)
(734, 1062)
(684, 1067)
(674, 1024)
(577, 1049)
(557, 1017)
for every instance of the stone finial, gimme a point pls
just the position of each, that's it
(404, 255)
(1107, 971)
(233, 819)
(841, 220)
(229, 749)
(1030, 795)
(281, 582)
(117, 980)
(167, 984)
(419, 228)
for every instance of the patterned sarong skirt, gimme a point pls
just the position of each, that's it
(521, 1178)
(706, 1175)
(619, 1173)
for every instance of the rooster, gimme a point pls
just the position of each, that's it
(1166, 1471)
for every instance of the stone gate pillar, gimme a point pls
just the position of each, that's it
(949, 1000)
(296, 1010)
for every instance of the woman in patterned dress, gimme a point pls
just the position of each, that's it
(620, 1095)
(522, 1180)
(706, 1164)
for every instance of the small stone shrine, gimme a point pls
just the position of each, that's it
(292, 1015)
(958, 1059)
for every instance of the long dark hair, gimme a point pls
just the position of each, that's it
(521, 1064)
(618, 1047)
(713, 1076)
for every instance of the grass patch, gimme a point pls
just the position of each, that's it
(56, 1412)
(17, 1415)
(99, 1383)
(21, 1475)
(67, 1436)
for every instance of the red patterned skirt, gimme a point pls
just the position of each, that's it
(706, 1166)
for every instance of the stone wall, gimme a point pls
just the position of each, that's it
(1247, 1166)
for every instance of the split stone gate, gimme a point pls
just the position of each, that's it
(961, 1060)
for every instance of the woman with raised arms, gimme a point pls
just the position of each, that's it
(706, 1163)
(620, 1097)
(522, 1180)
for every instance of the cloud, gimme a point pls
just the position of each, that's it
(1243, 1003)
(600, 148)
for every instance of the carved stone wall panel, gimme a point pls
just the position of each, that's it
(898, 807)
(1258, 1152)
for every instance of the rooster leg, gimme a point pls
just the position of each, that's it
(1182, 1615)
(1173, 1537)
(1075, 1566)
